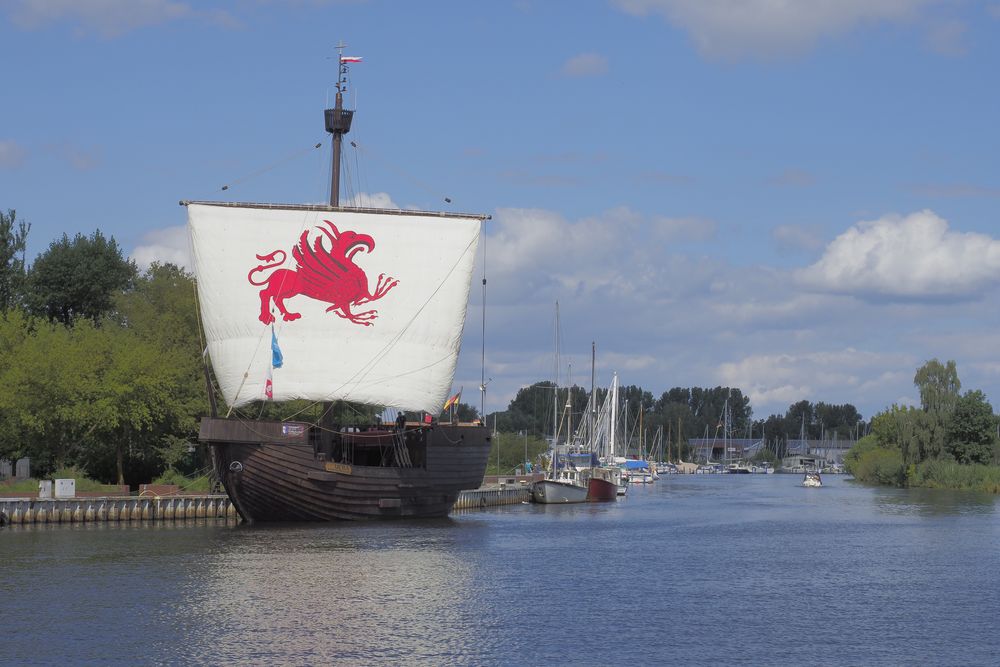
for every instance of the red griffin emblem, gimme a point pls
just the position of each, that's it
(326, 275)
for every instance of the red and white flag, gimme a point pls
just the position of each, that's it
(350, 59)
(269, 386)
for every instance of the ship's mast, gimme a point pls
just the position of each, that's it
(338, 122)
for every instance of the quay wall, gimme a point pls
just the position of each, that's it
(85, 509)
(492, 496)
(115, 508)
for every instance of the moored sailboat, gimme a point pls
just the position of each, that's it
(334, 303)
(563, 481)
(603, 481)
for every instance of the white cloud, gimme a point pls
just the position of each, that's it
(108, 18)
(542, 243)
(165, 245)
(12, 155)
(912, 257)
(585, 64)
(767, 28)
(373, 200)
(775, 381)
(618, 256)
(773, 307)
(663, 318)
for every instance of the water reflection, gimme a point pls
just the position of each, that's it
(933, 502)
(313, 594)
(695, 570)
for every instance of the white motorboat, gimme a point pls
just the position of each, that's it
(812, 479)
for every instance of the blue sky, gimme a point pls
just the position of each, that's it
(798, 198)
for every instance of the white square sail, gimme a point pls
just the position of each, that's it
(365, 306)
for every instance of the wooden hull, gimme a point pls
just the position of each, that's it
(277, 471)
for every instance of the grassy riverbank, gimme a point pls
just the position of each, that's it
(880, 465)
(29, 487)
(83, 483)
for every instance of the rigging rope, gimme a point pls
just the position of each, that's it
(264, 170)
(399, 171)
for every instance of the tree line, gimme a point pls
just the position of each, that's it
(679, 414)
(102, 366)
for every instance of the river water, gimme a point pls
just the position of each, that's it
(692, 570)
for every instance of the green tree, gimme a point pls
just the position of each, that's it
(972, 430)
(119, 400)
(915, 433)
(702, 410)
(78, 278)
(13, 240)
(49, 368)
(678, 419)
(512, 448)
(930, 435)
(885, 426)
(837, 421)
(137, 399)
(939, 386)
(530, 410)
(800, 421)
(160, 312)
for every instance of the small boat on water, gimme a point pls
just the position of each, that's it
(564, 482)
(812, 479)
(636, 470)
(565, 486)
(603, 483)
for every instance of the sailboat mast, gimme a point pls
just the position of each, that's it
(569, 406)
(555, 389)
(614, 417)
(725, 432)
(338, 123)
(591, 426)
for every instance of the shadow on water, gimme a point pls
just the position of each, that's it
(933, 502)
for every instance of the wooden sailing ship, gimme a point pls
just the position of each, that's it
(331, 303)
